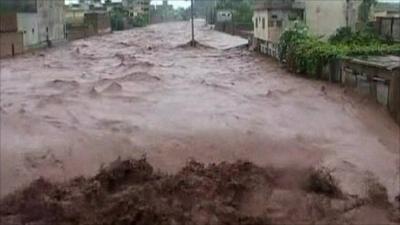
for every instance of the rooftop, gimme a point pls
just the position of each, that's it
(388, 62)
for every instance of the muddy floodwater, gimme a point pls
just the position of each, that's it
(68, 110)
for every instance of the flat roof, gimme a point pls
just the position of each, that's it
(388, 62)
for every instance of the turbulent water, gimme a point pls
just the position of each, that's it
(68, 110)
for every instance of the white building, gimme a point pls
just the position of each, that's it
(323, 17)
(224, 16)
(45, 22)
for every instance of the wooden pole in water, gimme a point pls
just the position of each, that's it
(192, 43)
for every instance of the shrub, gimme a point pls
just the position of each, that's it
(117, 21)
(307, 54)
(139, 21)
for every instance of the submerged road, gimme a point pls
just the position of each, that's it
(68, 110)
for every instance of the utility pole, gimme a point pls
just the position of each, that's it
(192, 42)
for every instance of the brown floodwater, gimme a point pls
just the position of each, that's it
(68, 110)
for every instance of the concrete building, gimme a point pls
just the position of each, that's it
(224, 16)
(224, 22)
(11, 40)
(28, 24)
(388, 26)
(40, 21)
(270, 19)
(99, 22)
(376, 76)
(386, 9)
(74, 14)
(136, 7)
(323, 17)
(51, 21)
(90, 4)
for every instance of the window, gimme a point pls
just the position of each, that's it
(33, 30)
(274, 17)
(279, 23)
(263, 23)
(256, 22)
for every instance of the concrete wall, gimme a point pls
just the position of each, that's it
(51, 21)
(224, 16)
(276, 20)
(260, 32)
(8, 22)
(11, 42)
(74, 16)
(28, 25)
(99, 22)
(324, 17)
(381, 84)
(389, 27)
(80, 31)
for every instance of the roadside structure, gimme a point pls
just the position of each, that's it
(377, 76)
(388, 26)
(323, 17)
(11, 40)
(224, 21)
(386, 9)
(41, 23)
(74, 14)
(136, 7)
(98, 22)
(270, 20)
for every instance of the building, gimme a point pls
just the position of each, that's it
(224, 16)
(388, 27)
(90, 4)
(11, 40)
(40, 21)
(386, 9)
(99, 22)
(224, 22)
(74, 14)
(376, 76)
(270, 19)
(323, 17)
(136, 7)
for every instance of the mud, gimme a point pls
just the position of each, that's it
(130, 192)
(65, 112)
